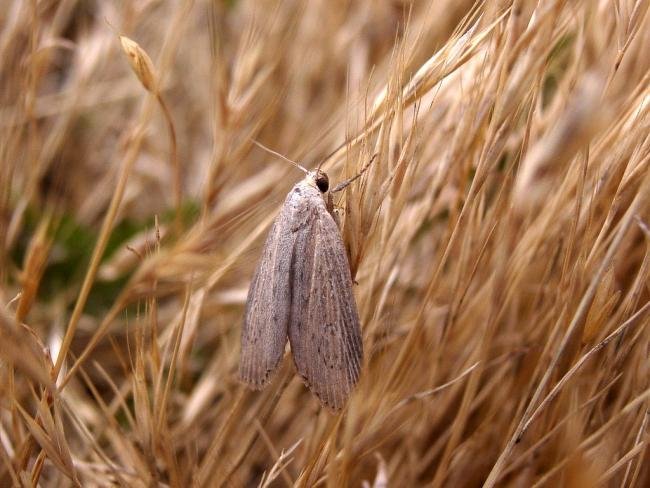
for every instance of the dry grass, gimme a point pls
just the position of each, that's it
(500, 241)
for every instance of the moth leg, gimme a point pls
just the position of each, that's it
(332, 209)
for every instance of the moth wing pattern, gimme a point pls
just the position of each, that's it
(324, 330)
(266, 319)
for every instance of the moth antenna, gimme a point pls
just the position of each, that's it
(321, 163)
(330, 155)
(345, 183)
(281, 156)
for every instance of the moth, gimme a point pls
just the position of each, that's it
(302, 292)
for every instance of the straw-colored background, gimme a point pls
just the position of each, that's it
(499, 241)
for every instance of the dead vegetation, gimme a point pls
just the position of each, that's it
(500, 240)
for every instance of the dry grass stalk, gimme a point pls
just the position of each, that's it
(499, 240)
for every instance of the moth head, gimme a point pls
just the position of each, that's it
(321, 180)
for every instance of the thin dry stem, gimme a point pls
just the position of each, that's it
(498, 239)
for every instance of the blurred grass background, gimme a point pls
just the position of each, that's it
(500, 241)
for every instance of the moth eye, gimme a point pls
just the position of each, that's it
(322, 182)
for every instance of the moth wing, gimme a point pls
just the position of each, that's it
(266, 319)
(324, 330)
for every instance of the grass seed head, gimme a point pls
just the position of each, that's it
(141, 64)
